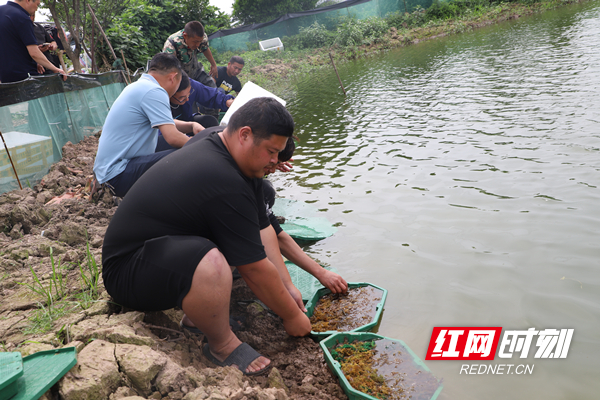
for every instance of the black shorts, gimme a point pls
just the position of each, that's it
(158, 275)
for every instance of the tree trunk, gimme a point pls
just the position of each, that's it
(72, 54)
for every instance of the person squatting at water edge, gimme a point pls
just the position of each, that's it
(287, 245)
(126, 148)
(182, 105)
(193, 216)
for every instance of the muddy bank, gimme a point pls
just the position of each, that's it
(54, 233)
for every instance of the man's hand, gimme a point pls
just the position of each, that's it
(63, 73)
(44, 47)
(213, 71)
(297, 326)
(196, 128)
(284, 166)
(229, 102)
(53, 46)
(297, 296)
(333, 282)
(40, 69)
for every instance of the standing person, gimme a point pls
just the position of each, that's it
(45, 41)
(186, 44)
(19, 51)
(227, 80)
(193, 216)
(127, 145)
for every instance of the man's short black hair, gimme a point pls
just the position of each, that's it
(265, 116)
(288, 152)
(194, 29)
(236, 59)
(185, 82)
(164, 63)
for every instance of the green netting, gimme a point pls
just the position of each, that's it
(238, 39)
(302, 221)
(304, 282)
(35, 128)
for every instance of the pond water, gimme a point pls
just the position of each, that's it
(463, 176)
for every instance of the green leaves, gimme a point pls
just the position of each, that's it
(257, 11)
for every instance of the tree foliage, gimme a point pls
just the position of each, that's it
(256, 11)
(144, 26)
(139, 28)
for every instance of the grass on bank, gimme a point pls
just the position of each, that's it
(56, 300)
(352, 39)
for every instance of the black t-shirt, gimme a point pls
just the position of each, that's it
(41, 35)
(226, 82)
(197, 190)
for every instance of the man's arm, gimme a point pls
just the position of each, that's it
(188, 126)
(174, 137)
(269, 241)
(210, 97)
(40, 58)
(168, 47)
(293, 252)
(213, 65)
(265, 282)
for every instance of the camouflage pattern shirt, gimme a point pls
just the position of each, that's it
(188, 57)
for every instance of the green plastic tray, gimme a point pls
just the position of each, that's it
(301, 222)
(418, 380)
(312, 303)
(43, 369)
(305, 282)
(11, 368)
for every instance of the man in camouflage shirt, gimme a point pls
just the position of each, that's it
(186, 44)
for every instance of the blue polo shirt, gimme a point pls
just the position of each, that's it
(16, 33)
(130, 127)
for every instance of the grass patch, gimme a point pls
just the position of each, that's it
(351, 39)
(56, 301)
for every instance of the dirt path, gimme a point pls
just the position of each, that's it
(122, 353)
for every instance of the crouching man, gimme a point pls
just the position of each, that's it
(195, 214)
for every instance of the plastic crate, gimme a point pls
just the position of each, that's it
(271, 44)
(304, 282)
(11, 369)
(302, 222)
(419, 381)
(41, 370)
(312, 303)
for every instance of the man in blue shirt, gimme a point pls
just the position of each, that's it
(127, 145)
(19, 49)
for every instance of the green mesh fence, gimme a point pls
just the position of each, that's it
(238, 39)
(39, 116)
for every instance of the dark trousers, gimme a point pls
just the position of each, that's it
(135, 168)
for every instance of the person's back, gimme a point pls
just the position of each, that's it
(16, 33)
(127, 146)
(128, 129)
(192, 192)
